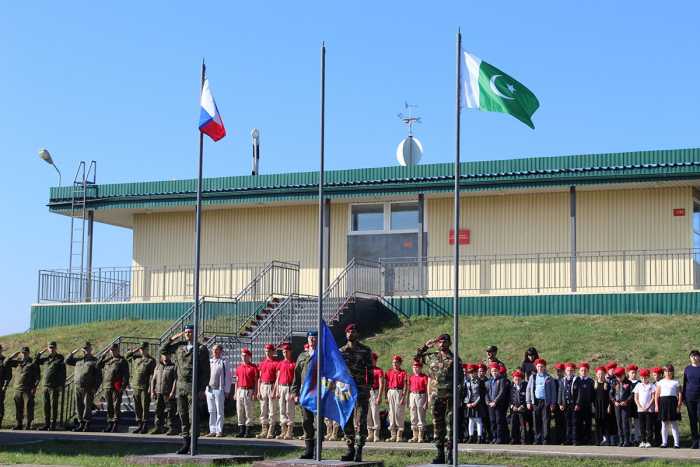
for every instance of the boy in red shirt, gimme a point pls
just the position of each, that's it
(418, 401)
(374, 424)
(246, 383)
(397, 384)
(283, 389)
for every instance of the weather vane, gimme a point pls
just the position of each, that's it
(408, 118)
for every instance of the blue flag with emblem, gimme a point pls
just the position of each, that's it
(338, 388)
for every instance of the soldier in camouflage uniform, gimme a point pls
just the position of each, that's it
(26, 383)
(86, 379)
(5, 377)
(358, 358)
(162, 390)
(54, 383)
(182, 349)
(438, 365)
(115, 378)
(144, 365)
(307, 417)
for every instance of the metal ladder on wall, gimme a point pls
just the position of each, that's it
(83, 183)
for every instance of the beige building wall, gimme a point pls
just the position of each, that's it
(236, 242)
(530, 234)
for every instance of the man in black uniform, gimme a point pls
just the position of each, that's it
(358, 358)
(54, 382)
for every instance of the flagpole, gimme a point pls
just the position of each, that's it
(455, 304)
(319, 339)
(195, 320)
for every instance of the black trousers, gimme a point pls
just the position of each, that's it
(541, 416)
(646, 426)
(558, 435)
(518, 426)
(694, 417)
(584, 418)
(499, 423)
(570, 427)
(623, 423)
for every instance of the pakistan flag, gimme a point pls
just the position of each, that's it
(487, 88)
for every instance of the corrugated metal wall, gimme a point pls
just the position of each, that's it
(242, 235)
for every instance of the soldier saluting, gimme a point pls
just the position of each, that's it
(183, 350)
(358, 358)
(439, 366)
(86, 378)
(54, 382)
(26, 383)
(144, 365)
(115, 378)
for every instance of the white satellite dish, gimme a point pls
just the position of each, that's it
(409, 151)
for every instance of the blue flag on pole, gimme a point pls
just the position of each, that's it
(338, 388)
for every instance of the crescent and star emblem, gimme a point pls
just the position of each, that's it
(494, 89)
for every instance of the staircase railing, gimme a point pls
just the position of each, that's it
(360, 277)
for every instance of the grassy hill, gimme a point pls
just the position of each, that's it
(647, 340)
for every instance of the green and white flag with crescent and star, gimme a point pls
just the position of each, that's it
(487, 88)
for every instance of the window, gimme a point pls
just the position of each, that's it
(384, 217)
(366, 217)
(404, 216)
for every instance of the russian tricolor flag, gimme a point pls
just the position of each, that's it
(210, 122)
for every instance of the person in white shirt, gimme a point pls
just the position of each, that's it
(644, 393)
(668, 400)
(218, 389)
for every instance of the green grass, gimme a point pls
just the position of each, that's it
(112, 454)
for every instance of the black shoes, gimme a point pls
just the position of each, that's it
(309, 449)
(349, 454)
(108, 428)
(358, 454)
(185, 449)
(440, 458)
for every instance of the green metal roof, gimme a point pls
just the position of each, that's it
(528, 172)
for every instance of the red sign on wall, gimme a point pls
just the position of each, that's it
(464, 237)
(679, 212)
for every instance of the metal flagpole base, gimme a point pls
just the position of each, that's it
(204, 459)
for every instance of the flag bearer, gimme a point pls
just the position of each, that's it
(397, 384)
(26, 383)
(285, 378)
(246, 393)
(86, 378)
(439, 368)
(54, 383)
(568, 395)
(418, 402)
(267, 394)
(306, 351)
(301, 369)
(374, 424)
(358, 358)
(183, 350)
(144, 365)
(115, 379)
(162, 389)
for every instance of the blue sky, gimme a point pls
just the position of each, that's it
(119, 82)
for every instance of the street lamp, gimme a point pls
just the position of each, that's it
(46, 157)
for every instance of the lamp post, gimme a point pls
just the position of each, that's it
(46, 157)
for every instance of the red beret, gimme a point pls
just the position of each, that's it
(374, 355)
(559, 366)
(657, 370)
(610, 365)
(396, 358)
(517, 373)
(481, 366)
(465, 366)
(632, 367)
(494, 365)
(350, 327)
(541, 361)
(502, 369)
(644, 372)
(286, 346)
(471, 367)
(570, 365)
(601, 368)
(619, 371)
(246, 351)
(584, 365)
(269, 347)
